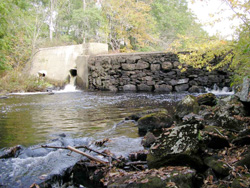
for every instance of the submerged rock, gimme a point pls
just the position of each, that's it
(154, 122)
(177, 146)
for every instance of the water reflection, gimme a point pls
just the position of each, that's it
(31, 119)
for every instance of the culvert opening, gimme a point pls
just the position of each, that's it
(73, 72)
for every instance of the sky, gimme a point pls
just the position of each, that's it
(225, 27)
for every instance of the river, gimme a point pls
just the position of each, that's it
(71, 118)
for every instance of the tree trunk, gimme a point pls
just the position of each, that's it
(51, 20)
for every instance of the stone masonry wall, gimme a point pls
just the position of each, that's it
(157, 72)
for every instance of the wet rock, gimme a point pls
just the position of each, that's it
(163, 88)
(180, 88)
(87, 174)
(242, 141)
(148, 139)
(163, 177)
(219, 167)
(11, 152)
(187, 105)
(208, 99)
(154, 122)
(177, 146)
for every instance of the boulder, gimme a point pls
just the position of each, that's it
(148, 139)
(182, 87)
(196, 89)
(154, 122)
(128, 67)
(242, 141)
(243, 94)
(129, 87)
(176, 146)
(163, 88)
(208, 99)
(144, 87)
(141, 65)
(219, 167)
(187, 105)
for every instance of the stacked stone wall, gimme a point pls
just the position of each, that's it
(157, 72)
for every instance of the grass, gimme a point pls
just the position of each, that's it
(16, 81)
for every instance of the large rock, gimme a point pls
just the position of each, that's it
(177, 146)
(129, 87)
(219, 167)
(163, 88)
(154, 122)
(244, 93)
(142, 65)
(208, 99)
(182, 87)
(187, 105)
(144, 87)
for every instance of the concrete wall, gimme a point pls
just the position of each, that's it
(57, 61)
(150, 72)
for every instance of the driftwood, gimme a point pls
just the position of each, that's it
(85, 147)
(87, 155)
(75, 149)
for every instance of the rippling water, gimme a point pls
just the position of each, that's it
(31, 119)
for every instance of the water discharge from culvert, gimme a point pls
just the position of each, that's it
(72, 81)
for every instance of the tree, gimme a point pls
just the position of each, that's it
(129, 23)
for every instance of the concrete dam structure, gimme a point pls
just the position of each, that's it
(97, 70)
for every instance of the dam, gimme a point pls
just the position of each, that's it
(95, 69)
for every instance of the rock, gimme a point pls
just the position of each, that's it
(144, 87)
(163, 88)
(219, 167)
(183, 81)
(167, 66)
(183, 87)
(196, 89)
(213, 137)
(138, 156)
(244, 93)
(129, 87)
(245, 161)
(208, 99)
(176, 64)
(154, 122)
(155, 67)
(155, 178)
(3, 97)
(133, 59)
(148, 140)
(187, 105)
(128, 67)
(192, 119)
(173, 82)
(11, 152)
(242, 141)
(141, 65)
(176, 146)
(113, 89)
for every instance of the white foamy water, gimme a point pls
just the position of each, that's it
(217, 91)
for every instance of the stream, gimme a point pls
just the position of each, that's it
(68, 118)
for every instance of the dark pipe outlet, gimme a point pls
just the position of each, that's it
(73, 72)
